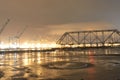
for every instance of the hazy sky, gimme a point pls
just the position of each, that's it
(49, 19)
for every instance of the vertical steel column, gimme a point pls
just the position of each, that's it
(103, 39)
(90, 39)
(78, 38)
(84, 41)
(96, 40)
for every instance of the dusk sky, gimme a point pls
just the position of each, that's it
(49, 19)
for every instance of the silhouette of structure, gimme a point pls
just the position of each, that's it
(93, 38)
(15, 40)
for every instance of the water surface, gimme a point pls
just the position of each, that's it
(61, 65)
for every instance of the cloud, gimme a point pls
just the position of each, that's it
(51, 18)
(51, 12)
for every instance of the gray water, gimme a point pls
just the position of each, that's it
(61, 65)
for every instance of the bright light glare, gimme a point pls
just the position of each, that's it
(38, 45)
(29, 45)
(49, 45)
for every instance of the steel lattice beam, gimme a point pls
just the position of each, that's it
(92, 38)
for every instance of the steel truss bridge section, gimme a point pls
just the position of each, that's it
(92, 38)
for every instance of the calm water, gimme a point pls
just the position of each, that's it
(61, 65)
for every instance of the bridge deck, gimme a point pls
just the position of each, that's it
(93, 38)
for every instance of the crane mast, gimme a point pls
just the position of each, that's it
(15, 40)
(20, 33)
(4, 25)
(2, 29)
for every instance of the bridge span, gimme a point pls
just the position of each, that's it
(92, 38)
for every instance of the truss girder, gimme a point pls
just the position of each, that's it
(99, 37)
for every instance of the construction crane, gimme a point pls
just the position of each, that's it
(4, 25)
(2, 29)
(19, 34)
(16, 38)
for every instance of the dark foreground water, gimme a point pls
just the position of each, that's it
(61, 65)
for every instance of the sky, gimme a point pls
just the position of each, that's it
(49, 19)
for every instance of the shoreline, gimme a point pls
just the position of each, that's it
(22, 50)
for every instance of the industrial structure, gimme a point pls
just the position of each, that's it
(2, 28)
(4, 25)
(92, 38)
(15, 40)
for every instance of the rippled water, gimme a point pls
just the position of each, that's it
(61, 65)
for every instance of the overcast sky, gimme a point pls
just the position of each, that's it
(49, 19)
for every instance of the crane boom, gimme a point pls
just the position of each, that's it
(4, 25)
(20, 33)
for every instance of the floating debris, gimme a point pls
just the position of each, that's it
(1, 74)
(19, 78)
(20, 74)
(33, 75)
(28, 70)
(20, 68)
(2, 64)
(53, 79)
(67, 65)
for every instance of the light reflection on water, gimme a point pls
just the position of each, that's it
(26, 64)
